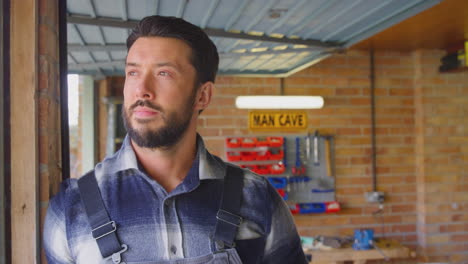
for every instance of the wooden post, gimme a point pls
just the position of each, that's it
(2, 143)
(24, 136)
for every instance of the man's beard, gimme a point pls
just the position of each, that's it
(166, 136)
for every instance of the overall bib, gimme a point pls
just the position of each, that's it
(227, 224)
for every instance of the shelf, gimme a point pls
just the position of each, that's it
(256, 162)
(263, 148)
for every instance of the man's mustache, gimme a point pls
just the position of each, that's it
(146, 104)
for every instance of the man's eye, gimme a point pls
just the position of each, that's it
(131, 73)
(163, 73)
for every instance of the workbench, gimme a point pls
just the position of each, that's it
(338, 256)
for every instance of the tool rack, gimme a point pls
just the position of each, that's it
(300, 167)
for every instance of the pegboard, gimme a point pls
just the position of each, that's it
(315, 183)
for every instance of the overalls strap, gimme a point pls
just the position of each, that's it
(103, 228)
(228, 217)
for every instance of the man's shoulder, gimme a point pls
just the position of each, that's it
(67, 196)
(255, 184)
(253, 178)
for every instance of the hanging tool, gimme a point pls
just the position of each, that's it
(307, 139)
(316, 148)
(298, 169)
(328, 157)
(286, 169)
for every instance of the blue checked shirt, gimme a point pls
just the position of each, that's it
(159, 226)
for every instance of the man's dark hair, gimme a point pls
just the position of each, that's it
(204, 56)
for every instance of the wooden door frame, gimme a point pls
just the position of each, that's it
(24, 135)
(63, 61)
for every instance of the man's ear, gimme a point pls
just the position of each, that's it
(204, 96)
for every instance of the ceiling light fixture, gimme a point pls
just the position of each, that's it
(279, 102)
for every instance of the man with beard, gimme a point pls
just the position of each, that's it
(163, 198)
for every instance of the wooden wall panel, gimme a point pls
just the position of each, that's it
(24, 150)
(444, 26)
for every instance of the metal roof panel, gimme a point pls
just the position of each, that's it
(253, 37)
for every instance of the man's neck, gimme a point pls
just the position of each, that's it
(168, 166)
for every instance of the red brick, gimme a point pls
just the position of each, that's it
(335, 81)
(456, 228)
(233, 112)
(230, 90)
(222, 101)
(359, 61)
(264, 90)
(340, 161)
(377, 92)
(401, 91)
(209, 132)
(331, 103)
(218, 122)
(342, 181)
(350, 190)
(301, 81)
(350, 211)
(346, 151)
(310, 91)
(460, 217)
(363, 220)
(404, 228)
(360, 160)
(247, 81)
(272, 81)
(405, 208)
(361, 82)
(355, 170)
(211, 111)
(233, 131)
(302, 220)
(360, 101)
(349, 131)
(348, 91)
(341, 71)
(335, 121)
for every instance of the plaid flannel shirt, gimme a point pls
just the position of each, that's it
(159, 226)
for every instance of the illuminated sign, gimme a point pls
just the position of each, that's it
(277, 120)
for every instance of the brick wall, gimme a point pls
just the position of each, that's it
(421, 137)
(441, 160)
(343, 81)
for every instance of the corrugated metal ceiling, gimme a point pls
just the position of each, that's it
(255, 38)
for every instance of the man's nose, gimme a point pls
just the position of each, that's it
(145, 88)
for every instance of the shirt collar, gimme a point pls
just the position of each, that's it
(209, 166)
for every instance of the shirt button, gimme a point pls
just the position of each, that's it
(173, 249)
(167, 202)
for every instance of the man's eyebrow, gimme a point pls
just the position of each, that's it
(161, 64)
(169, 64)
(131, 64)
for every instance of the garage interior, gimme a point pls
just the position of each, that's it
(397, 119)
